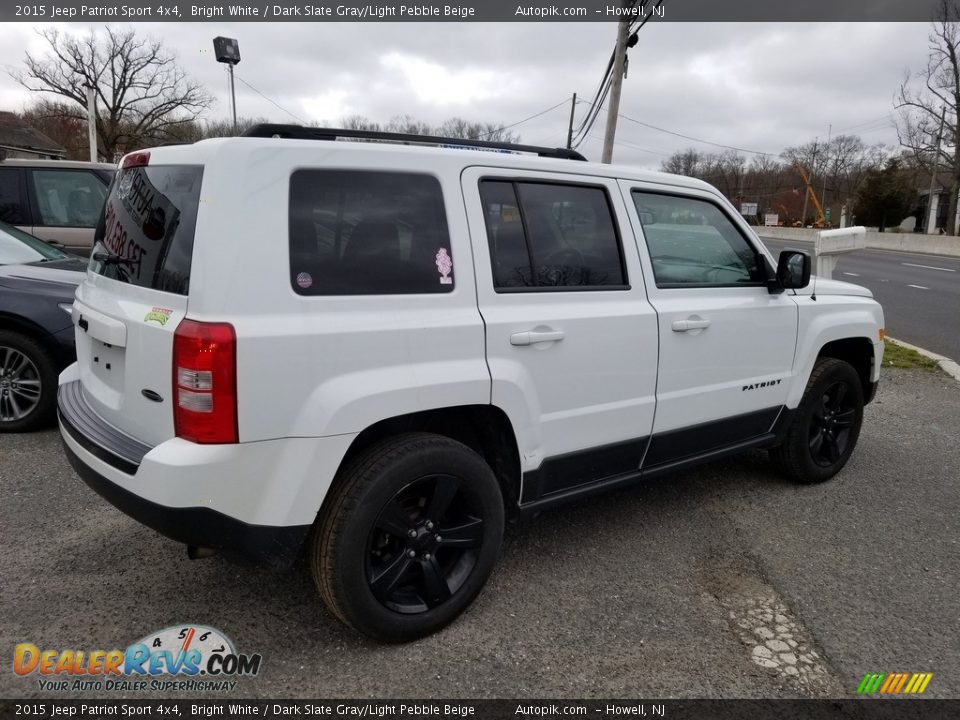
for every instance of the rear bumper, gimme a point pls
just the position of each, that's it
(253, 499)
(198, 526)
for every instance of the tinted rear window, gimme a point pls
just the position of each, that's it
(360, 232)
(149, 221)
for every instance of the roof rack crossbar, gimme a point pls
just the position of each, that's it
(301, 132)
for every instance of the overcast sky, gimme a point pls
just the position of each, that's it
(755, 86)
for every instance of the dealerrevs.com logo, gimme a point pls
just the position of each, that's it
(181, 658)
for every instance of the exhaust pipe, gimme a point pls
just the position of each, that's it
(195, 552)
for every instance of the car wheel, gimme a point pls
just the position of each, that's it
(825, 426)
(408, 537)
(28, 383)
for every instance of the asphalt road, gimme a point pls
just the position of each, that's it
(920, 294)
(664, 590)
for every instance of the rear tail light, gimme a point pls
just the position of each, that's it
(136, 159)
(205, 382)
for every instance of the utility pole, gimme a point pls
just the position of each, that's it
(616, 83)
(573, 108)
(92, 120)
(931, 209)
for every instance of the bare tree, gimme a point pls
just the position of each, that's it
(62, 122)
(224, 128)
(926, 94)
(454, 127)
(143, 95)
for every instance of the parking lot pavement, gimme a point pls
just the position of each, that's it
(723, 581)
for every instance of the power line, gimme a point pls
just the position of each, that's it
(520, 122)
(695, 139)
(888, 118)
(592, 113)
(273, 102)
(601, 89)
(624, 143)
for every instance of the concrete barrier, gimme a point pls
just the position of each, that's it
(904, 242)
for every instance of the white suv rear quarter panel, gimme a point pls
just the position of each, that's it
(317, 366)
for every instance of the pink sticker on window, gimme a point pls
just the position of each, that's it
(304, 280)
(444, 266)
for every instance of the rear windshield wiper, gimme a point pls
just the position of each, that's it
(110, 259)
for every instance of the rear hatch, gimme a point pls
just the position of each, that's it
(135, 294)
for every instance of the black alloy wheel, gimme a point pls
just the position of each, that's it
(831, 424)
(824, 428)
(424, 544)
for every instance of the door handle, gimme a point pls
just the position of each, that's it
(532, 337)
(685, 325)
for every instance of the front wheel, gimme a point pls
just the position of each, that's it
(825, 426)
(408, 537)
(28, 383)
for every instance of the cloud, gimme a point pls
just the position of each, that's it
(753, 85)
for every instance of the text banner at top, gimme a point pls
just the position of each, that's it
(472, 11)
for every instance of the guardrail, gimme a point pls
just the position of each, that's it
(945, 245)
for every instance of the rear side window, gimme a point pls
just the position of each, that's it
(148, 223)
(545, 235)
(356, 232)
(68, 198)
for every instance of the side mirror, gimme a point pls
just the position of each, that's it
(793, 270)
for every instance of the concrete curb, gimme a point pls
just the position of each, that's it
(946, 364)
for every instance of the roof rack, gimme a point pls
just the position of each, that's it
(300, 132)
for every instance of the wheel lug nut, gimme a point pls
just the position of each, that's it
(411, 553)
(438, 538)
(412, 533)
(429, 525)
(426, 556)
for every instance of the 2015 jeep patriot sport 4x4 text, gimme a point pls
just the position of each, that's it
(381, 350)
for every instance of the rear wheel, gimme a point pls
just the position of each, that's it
(826, 425)
(28, 383)
(409, 536)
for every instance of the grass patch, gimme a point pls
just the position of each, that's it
(897, 356)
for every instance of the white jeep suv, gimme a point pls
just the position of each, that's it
(378, 351)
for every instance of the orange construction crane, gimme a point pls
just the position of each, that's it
(821, 220)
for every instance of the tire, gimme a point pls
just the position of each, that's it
(28, 383)
(408, 536)
(825, 427)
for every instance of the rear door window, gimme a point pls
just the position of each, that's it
(361, 232)
(551, 236)
(148, 227)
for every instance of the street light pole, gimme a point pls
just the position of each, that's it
(92, 120)
(233, 98)
(227, 50)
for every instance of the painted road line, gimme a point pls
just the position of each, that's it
(852, 274)
(918, 287)
(929, 267)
